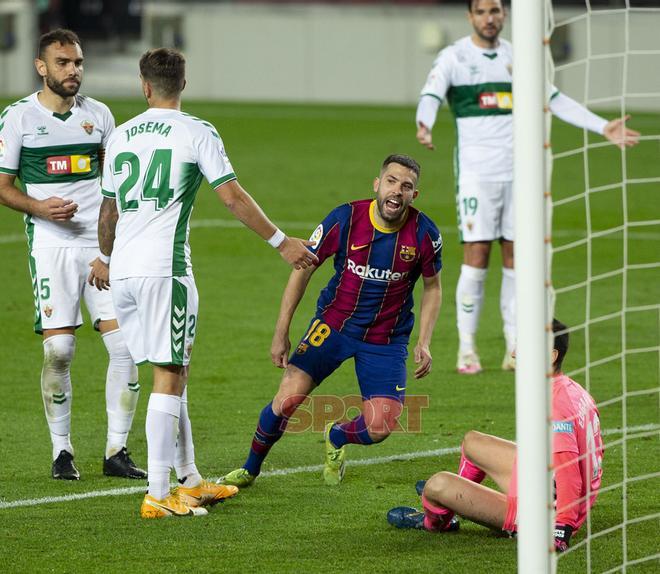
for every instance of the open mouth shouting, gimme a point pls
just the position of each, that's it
(392, 208)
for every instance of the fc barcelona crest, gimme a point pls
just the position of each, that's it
(87, 126)
(407, 252)
(302, 348)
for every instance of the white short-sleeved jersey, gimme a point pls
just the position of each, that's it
(153, 167)
(477, 84)
(57, 155)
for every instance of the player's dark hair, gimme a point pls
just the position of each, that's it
(404, 160)
(165, 70)
(470, 4)
(59, 36)
(561, 343)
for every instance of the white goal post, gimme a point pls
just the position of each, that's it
(533, 313)
(612, 304)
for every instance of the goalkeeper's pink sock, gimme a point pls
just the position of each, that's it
(436, 518)
(467, 469)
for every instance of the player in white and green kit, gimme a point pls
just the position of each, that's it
(474, 76)
(53, 141)
(154, 166)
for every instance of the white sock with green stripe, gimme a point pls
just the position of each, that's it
(56, 389)
(121, 392)
(184, 460)
(469, 297)
(161, 429)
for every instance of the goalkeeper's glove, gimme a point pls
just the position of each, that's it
(563, 534)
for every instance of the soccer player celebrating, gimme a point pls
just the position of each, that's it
(53, 141)
(474, 75)
(577, 449)
(381, 247)
(154, 166)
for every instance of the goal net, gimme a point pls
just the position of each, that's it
(602, 258)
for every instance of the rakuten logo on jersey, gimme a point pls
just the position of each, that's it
(496, 100)
(375, 274)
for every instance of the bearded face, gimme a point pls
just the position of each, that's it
(61, 67)
(64, 88)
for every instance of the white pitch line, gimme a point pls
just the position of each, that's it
(309, 226)
(266, 474)
(15, 238)
(281, 472)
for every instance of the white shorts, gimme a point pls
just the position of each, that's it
(59, 281)
(485, 211)
(158, 317)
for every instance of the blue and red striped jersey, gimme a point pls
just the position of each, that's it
(370, 296)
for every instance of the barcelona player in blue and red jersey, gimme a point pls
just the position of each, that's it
(381, 247)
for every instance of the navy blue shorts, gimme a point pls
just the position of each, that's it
(380, 369)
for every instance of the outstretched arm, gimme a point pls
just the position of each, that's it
(293, 250)
(293, 293)
(619, 134)
(574, 113)
(428, 315)
(52, 208)
(99, 276)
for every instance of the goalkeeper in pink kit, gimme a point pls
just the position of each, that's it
(577, 450)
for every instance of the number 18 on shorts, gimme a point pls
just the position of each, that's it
(158, 317)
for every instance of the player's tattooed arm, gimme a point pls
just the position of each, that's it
(51, 208)
(108, 217)
(99, 276)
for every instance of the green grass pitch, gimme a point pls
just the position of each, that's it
(299, 162)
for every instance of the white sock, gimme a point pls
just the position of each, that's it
(508, 307)
(121, 392)
(184, 459)
(469, 297)
(161, 426)
(56, 390)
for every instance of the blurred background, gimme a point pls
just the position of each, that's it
(360, 51)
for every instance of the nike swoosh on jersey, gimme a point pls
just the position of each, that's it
(358, 247)
(398, 388)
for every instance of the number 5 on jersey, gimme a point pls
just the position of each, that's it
(156, 185)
